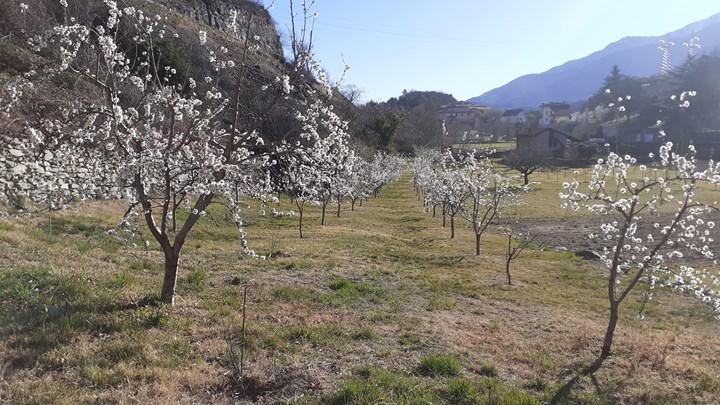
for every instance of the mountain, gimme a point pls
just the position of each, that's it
(578, 79)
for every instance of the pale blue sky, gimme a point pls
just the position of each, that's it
(467, 47)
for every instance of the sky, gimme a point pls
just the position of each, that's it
(468, 47)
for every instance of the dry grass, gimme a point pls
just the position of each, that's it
(345, 315)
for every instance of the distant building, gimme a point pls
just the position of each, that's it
(545, 143)
(461, 112)
(553, 114)
(516, 116)
(462, 119)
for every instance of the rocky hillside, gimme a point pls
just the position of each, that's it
(186, 16)
(220, 14)
(226, 22)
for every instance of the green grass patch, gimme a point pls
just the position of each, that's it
(342, 293)
(292, 294)
(708, 384)
(378, 386)
(375, 386)
(440, 303)
(438, 366)
(364, 333)
(322, 335)
(196, 280)
(122, 350)
(120, 375)
(145, 264)
(6, 226)
(488, 370)
(121, 280)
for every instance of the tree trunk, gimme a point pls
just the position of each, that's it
(508, 259)
(322, 220)
(477, 244)
(170, 278)
(338, 210)
(526, 177)
(452, 226)
(444, 214)
(352, 205)
(612, 323)
(174, 216)
(301, 218)
(609, 334)
(507, 271)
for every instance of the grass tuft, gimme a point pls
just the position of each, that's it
(196, 280)
(439, 366)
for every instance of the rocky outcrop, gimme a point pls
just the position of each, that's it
(233, 17)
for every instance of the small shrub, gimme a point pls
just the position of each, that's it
(439, 365)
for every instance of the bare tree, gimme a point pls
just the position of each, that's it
(524, 162)
(523, 241)
(489, 195)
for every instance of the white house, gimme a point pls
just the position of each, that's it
(515, 116)
(552, 113)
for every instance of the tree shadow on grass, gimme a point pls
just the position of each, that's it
(564, 394)
(41, 310)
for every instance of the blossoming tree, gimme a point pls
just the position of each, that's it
(152, 136)
(317, 161)
(652, 223)
(489, 195)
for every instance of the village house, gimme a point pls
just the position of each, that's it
(553, 114)
(462, 119)
(546, 143)
(515, 116)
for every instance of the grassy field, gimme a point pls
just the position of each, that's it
(378, 306)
